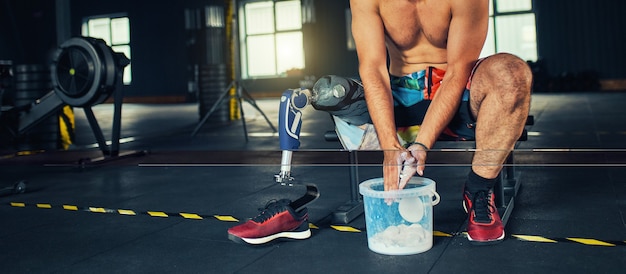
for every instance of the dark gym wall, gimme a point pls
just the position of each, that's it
(158, 42)
(579, 35)
(326, 48)
(573, 35)
(27, 30)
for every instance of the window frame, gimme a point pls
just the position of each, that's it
(244, 58)
(127, 77)
(494, 14)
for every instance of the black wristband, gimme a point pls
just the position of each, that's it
(407, 145)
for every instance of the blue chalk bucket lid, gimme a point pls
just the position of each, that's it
(417, 186)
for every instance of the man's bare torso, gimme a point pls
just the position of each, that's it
(416, 33)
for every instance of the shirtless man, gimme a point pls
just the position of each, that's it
(438, 42)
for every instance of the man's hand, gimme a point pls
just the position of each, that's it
(414, 162)
(391, 168)
(400, 165)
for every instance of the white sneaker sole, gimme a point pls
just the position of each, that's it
(499, 239)
(301, 235)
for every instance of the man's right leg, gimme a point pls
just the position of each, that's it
(500, 101)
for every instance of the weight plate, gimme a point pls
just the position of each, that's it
(43, 76)
(21, 68)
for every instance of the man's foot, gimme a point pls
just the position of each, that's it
(276, 221)
(484, 226)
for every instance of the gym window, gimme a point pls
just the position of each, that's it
(115, 31)
(512, 29)
(271, 39)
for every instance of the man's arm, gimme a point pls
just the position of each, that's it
(369, 37)
(466, 36)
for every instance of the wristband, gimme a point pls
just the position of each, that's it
(407, 145)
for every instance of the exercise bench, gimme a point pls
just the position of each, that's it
(505, 190)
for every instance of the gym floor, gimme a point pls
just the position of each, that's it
(168, 211)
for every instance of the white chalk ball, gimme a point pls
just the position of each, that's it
(411, 209)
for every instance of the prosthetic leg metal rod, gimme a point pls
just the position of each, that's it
(284, 176)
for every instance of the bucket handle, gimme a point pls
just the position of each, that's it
(437, 198)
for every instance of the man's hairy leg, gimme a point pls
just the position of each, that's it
(500, 101)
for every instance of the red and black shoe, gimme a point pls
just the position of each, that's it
(278, 220)
(484, 226)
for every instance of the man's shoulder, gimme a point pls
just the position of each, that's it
(367, 4)
(467, 4)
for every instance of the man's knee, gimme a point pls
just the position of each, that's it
(508, 71)
(505, 77)
(341, 97)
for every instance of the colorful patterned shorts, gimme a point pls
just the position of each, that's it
(412, 95)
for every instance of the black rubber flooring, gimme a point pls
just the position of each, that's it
(167, 211)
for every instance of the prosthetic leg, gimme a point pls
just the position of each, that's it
(344, 100)
(271, 223)
(282, 219)
(292, 102)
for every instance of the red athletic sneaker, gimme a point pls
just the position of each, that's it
(277, 220)
(484, 226)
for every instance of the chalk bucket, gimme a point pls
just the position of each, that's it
(406, 226)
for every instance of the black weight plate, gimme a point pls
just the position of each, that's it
(33, 77)
(46, 86)
(30, 68)
(28, 95)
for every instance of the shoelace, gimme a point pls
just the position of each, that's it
(272, 208)
(482, 207)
